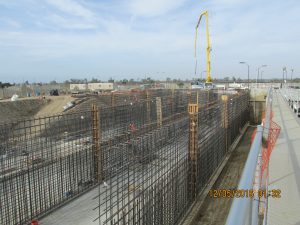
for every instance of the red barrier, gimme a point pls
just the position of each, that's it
(34, 222)
(267, 151)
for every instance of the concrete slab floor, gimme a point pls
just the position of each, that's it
(285, 167)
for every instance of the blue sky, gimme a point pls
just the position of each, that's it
(43, 40)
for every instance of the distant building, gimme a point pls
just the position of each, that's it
(78, 87)
(92, 87)
(236, 85)
(100, 86)
(174, 85)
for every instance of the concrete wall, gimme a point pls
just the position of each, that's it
(258, 104)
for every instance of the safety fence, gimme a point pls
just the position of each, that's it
(142, 149)
(253, 210)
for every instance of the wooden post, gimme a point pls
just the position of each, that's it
(158, 112)
(97, 154)
(193, 146)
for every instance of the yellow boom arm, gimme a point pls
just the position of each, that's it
(208, 49)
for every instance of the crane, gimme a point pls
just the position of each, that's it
(208, 82)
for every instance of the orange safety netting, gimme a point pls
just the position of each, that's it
(271, 141)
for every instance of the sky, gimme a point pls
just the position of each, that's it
(45, 40)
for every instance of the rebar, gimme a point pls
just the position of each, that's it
(134, 147)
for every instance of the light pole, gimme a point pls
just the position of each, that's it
(248, 72)
(283, 70)
(261, 73)
(292, 71)
(258, 73)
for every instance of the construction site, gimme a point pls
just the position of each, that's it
(193, 152)
(148, 154)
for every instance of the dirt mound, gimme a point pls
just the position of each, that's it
(21, 109)
(54, 106)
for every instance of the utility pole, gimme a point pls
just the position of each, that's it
(283, 70)
(258, 73)
(248, 72)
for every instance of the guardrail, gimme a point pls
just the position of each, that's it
(247, 210)
(240, 212)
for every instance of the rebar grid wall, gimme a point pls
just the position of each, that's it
(43, 163)
(46, 161)
(157, 175)
(142, 149)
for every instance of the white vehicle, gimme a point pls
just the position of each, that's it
(296, 108)
(197, 85)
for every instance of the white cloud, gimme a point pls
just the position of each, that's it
(10, 22)
(228, 2)
(71, 23)
(154, 31)
(72, 7)
(41, 46)
(151, 8)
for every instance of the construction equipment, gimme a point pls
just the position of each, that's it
(208, 82)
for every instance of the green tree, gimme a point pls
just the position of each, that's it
(5, 85)
(95, 80)
(180, 84)
(53, 82)
(124, 81)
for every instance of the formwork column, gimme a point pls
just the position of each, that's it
(148, 106)
(193, 146)
(158, 112)
(224, 123)
(97, 154)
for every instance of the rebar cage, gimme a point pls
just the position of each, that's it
(135, 148)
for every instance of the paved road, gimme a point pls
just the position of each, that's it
(285, 167)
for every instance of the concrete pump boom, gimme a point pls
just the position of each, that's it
(208, 49)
